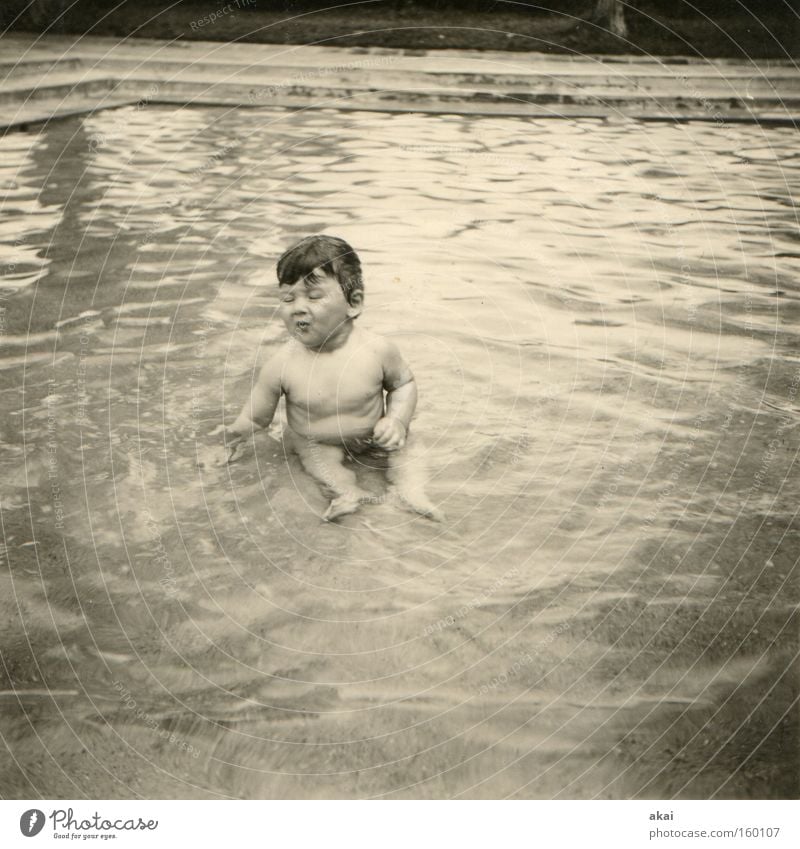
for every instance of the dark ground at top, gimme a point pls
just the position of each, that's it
(704, 28)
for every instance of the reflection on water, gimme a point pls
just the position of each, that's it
(603, 323)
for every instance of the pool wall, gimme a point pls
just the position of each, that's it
(42, 77)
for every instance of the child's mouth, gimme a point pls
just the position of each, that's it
(302, 325)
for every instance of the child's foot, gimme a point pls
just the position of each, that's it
(344, 505)
(421, 504)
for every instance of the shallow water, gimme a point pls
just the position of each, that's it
(602, 319)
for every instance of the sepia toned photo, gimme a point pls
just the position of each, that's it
(400, 401)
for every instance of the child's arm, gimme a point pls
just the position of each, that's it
(259, 409)
(257, 413)
(401, 400)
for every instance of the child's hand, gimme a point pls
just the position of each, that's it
(389, 433)
(233, 442)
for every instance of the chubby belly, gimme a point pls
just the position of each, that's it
(334, 426)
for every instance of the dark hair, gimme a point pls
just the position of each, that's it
(334, 256)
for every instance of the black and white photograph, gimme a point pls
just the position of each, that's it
(400, 401)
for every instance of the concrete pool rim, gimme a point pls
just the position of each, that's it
(51, 77)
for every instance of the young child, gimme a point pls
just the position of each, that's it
(346, 389)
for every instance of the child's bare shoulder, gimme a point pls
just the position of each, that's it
(395, 370)
(382, 346)
(272, 370)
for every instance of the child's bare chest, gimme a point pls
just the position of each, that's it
(332, 384)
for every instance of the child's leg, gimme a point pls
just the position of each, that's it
(409, 476)
(324, 464)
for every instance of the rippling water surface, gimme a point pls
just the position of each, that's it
(602, 318)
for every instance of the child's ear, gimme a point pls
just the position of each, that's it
(356, 304)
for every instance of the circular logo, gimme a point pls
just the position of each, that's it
(31, 822)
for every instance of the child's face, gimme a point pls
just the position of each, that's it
(315, 310)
